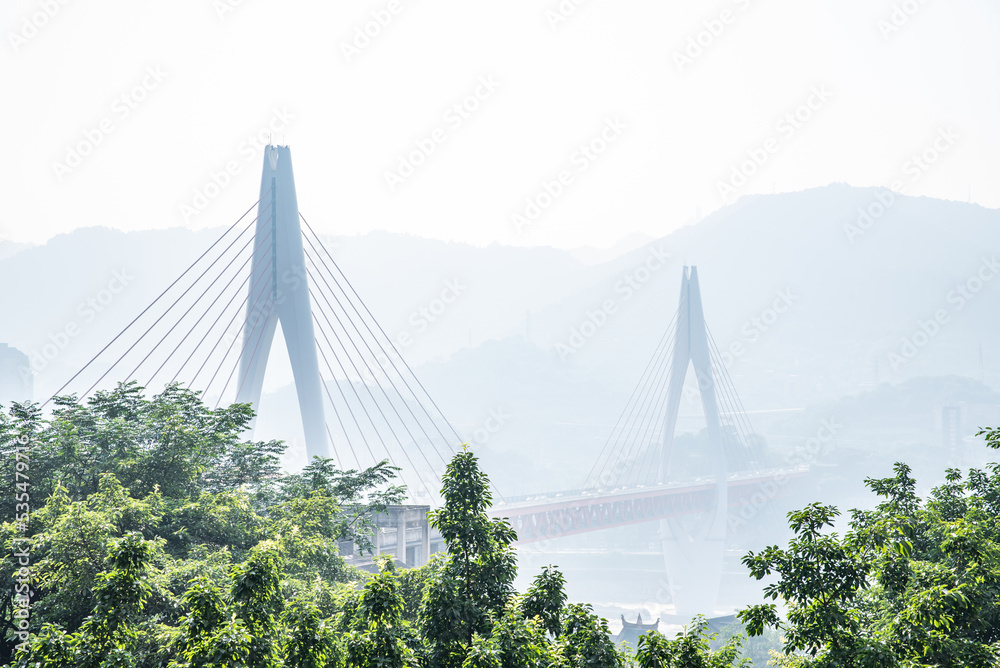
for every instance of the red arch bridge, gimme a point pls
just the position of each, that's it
(576, 512)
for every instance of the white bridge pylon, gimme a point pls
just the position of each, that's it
(279, 292)
(694, 558)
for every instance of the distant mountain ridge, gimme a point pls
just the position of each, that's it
(885, 303)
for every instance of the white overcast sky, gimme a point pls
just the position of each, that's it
(684, 131)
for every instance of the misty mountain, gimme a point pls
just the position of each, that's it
(810, 295)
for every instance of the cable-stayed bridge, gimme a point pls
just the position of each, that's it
(213, 327)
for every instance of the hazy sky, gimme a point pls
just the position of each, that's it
(119, 112)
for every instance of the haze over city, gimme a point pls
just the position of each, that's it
(664, 274)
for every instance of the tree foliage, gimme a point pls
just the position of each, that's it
(911, 583)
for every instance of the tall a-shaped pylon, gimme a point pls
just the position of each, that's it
(279, 292)
(694, 560)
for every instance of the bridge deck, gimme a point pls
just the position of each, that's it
(544, 518)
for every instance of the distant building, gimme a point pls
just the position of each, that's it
(16, 379)
(951, 428)
(632, 630)
(402, 531)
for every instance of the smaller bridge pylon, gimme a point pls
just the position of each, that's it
(642, 451)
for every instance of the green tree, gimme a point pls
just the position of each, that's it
(257, 600)
(378, 639)
(515, 642)
(690, 649)
(308, 642)
(545, 599)
(586, 641)
(107, 637)
(912, 583)
(476, 582)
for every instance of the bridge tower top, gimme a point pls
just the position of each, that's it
(279, 292)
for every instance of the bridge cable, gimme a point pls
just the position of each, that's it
(626, 414)
(649, 435)
(379, 327)
(162, 316)
(117, 336)
(387, 377)
(662, 347)
(340, 420)
(320, 266)
(649, 415)
(372, 396)
(178, 321)
(741, 417)
(253, 353)
(653, 367)
(347, 403)
(225, 329)
(224, 310)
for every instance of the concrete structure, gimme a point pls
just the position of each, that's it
(279, 292)
(16, 378)
(693, 551)
(403, 532)
(951, 429)
(575, 513)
